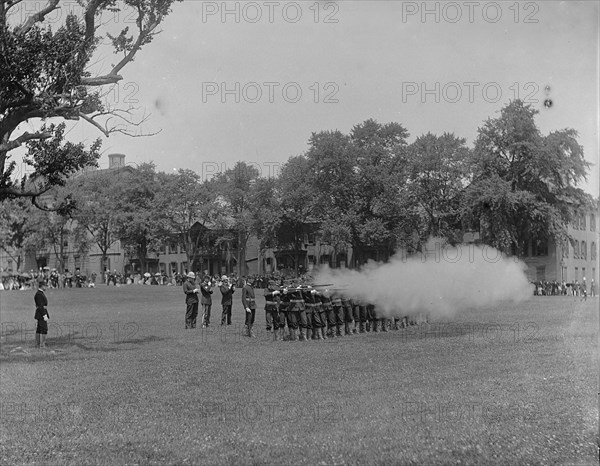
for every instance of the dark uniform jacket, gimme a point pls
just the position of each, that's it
(227, 292)
(206, 292)
(272, 299)
(40, 305)
(296, 300)
(248, 297)
(188, 289)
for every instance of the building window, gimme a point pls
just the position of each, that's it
(540, 273)
(592, 222)
(576, 274)
(173, 268)
(184, 268)
(540, 248)
(576, 250)
(582, 222)
(582, 272)
(172, 248)
(593, 253)
(10, 269)
(77, 262)
(565, 249)
(583, 251)
(162, 249)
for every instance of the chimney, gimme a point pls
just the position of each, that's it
(116, 160)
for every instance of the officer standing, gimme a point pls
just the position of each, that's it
(206, 300)
(249, 303)
(347, 305)
(227, 290)
(272, 299)
(191, 300)
(338, 313)
(41, 315)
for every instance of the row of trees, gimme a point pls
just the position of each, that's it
(368, 189)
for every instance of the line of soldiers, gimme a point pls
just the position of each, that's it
(320, 313)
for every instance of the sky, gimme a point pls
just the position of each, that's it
(251, 81)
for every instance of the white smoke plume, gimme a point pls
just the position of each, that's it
(440, 283)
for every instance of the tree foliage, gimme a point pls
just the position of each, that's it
(46, 75)
(524, 183)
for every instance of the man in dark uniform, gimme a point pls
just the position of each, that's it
(206, 300)
(327, 316)
(249, 303)
(313, 318)
(320, 317)
(286, 316)
(362, 313)
(338, 313)
(191, 300)
(298, 307)
(41, 315)
(272, 299)
(347, 305)
(227, 290)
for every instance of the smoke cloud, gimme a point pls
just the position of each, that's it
(441, 282)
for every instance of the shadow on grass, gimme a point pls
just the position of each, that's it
(64, 346)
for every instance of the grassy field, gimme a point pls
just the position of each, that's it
(122, 382)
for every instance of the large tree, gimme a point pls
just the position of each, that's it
(49, 75)
(95, 194)
(436, 173)
(355, 179)
(236, 195)
(524, 183)
(16, 229)
(186, 208)
(137, 219)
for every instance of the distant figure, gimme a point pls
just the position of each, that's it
(583, 290)
(593, 288)
(191, 300)
(227, 290)
(249, 303)
(41, 315)
(206, 300)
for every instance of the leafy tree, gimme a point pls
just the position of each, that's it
(95, 195)
(46, 74)
(15, 229)
(137, 223)
(524, 183)
(186, 208)
(296, 196)
(437, 171)
(55, 231)
(235, 188)
(355, 184)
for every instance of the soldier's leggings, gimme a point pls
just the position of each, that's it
(371, 315)
(362, 311)
(348, 313)
(303, 319)
(281, 317)
(339, 315)
(322, 314)
(309, 315)
(292, 318)
(272, 318)
(356, 313)
(316, 316)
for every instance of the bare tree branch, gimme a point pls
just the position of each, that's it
(38, 17)
(91, 121)
(10, 145)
